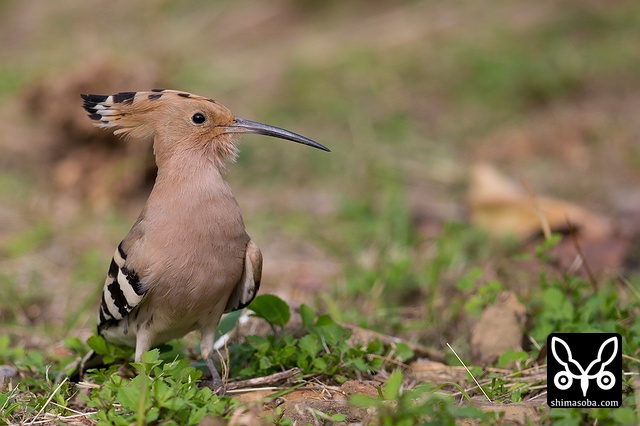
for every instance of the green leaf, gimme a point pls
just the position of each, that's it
(151, 357)
(324, 320)
(403, 352)
(320, 365)
(393, 385)
(98, 344)
(227, 323)
(309, 345)
(196, 415)
(375, 347)
(467, 412)
(164, 396)
(469, 280)
(259, 343)
(264, 364)
(360, 364)
(149, 361)
(307, 315)
(108, 351)
(332, 332)
(151, 416)
(624, 415)
(133, 395)
(510, 356)
(74, 344)
(287, 352)
(271, 308)
(362, 400)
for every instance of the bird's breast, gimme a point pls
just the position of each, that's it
(193, 240)
(196, 250)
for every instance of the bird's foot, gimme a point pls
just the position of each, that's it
(216, 386)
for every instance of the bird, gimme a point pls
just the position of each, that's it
(187, 258)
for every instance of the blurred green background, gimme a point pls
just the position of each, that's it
(408, 95)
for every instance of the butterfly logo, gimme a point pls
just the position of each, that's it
(595, 370)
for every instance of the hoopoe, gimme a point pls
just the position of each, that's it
(187, 259)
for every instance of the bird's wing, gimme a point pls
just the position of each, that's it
(123, 291)
(249, 284)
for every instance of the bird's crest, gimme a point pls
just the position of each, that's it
(125, 112)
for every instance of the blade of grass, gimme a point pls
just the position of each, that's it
(469, 371)
(49, 400)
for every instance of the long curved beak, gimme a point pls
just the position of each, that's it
(240, 125)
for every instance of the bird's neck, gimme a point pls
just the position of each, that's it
(190, 179)
(192, 205)
(169, 151)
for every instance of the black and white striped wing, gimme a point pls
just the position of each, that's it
(122, 291)
(247, 288)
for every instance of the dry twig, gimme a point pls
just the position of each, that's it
(265, 380)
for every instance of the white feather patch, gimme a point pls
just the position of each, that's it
(113, 309)
(129, 293)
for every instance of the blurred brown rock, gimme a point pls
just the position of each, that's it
(500, 328)
(74, 156)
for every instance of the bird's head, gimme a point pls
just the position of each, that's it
(179, 122)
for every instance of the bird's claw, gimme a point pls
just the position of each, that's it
(216, 387)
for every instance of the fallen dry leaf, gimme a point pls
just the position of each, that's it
(503, 208)
(427, 371)
(522, 413)
(315, 411)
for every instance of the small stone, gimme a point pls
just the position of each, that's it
(500, 328)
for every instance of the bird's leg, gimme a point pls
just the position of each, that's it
(143, 343)
(83, 363)
(216, 384)
(206, 350)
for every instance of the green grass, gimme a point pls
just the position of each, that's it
(168, 389)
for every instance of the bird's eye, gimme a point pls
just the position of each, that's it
(198, 118)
